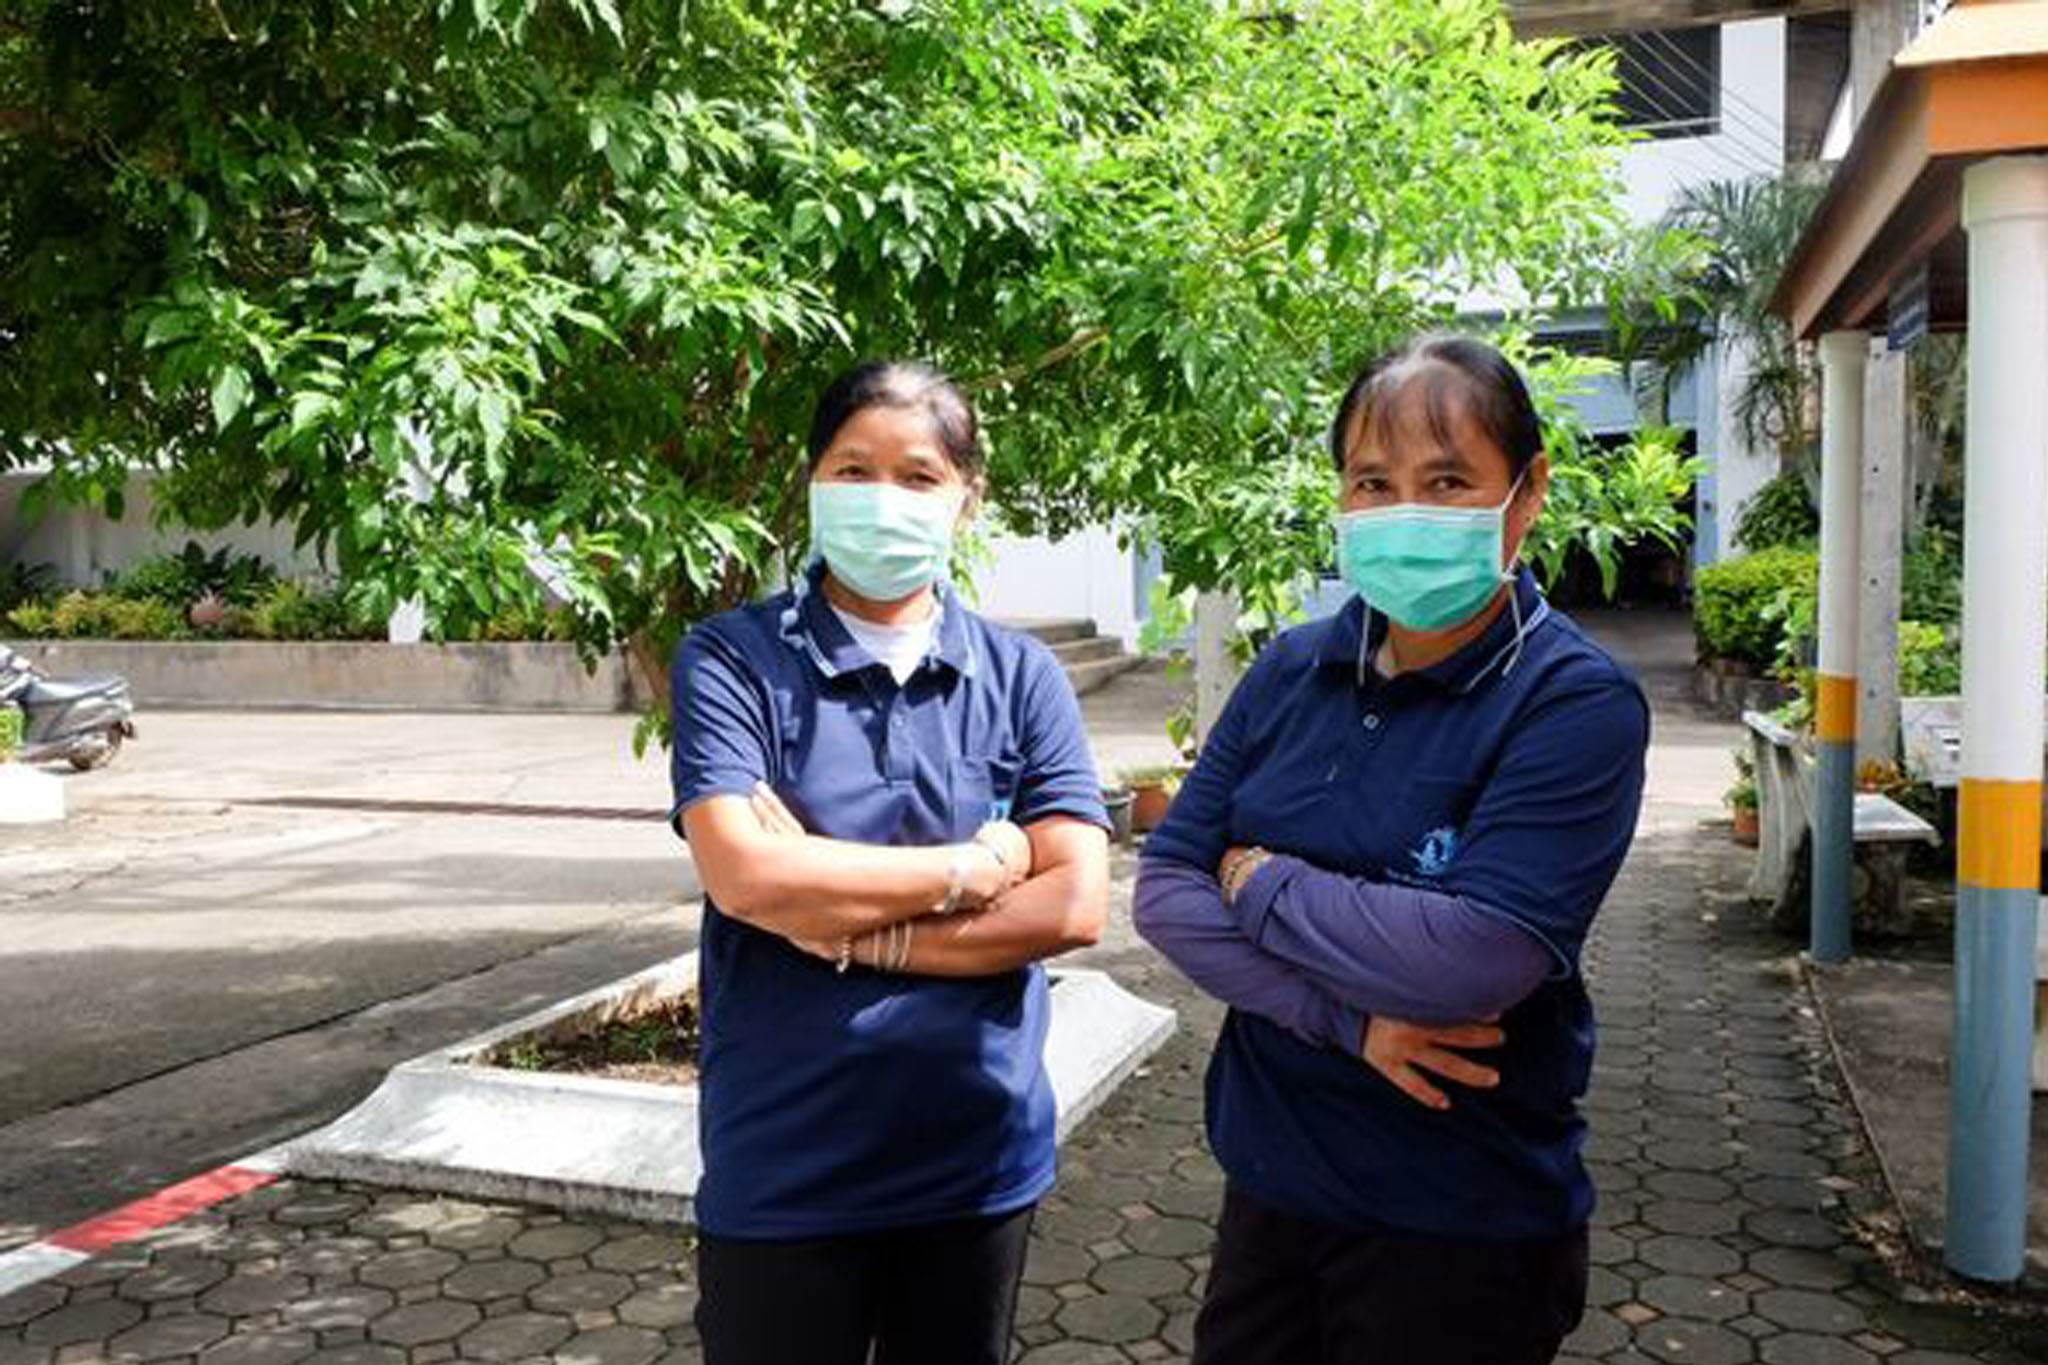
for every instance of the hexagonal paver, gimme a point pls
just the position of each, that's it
(415, 1265)
(248, 1294)
(174, 1277)
(29, 1302)
(1809, 1310)
(662, 1306)
(415, 1324)
(474, 1229)
(1693, 1296)
(580, 1293)
(273, 1347)
(1799, 1268)
(1110, 1318)
(1801, 1348)
(329, 1310)
(515, 1336)
(645, 1251)
(1689, 1256)
(318, 1207)
(483, 1281)
(1169, 1236)
(80, 1322)
(1147, 1276)
(163, 1338)
(555, 1243)
(610, 1346)
(1687, 1341)
(358, 1353)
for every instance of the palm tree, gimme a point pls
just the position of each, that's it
(1749, 229)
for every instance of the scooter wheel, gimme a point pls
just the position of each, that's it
(95, 751)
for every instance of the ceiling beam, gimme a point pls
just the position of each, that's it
(1577, 18)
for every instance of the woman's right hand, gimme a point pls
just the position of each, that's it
(1402, 1052)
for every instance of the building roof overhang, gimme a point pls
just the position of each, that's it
(1973, 85)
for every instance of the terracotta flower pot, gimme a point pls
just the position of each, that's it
(1148, 806)
(1747, 830)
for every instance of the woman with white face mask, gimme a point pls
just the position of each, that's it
(1386, 861)
(892, 809)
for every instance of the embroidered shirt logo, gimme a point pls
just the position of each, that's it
(1434, 854)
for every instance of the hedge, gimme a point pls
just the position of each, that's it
(1740, 605)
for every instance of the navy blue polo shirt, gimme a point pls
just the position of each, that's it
(839, 1102)
(1509, 775)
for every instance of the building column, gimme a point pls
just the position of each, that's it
(2005, 629)
(1887, 412)
(1842, 358)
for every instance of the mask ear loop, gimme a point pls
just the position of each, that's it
(1521, 630)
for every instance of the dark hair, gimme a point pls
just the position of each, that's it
(1441, 370)
(901, 384)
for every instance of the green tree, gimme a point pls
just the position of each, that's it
(452, 286)
(1750, 228)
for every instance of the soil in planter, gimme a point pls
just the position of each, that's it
(657, 1045)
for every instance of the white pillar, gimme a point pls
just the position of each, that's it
(2005, 630)
(1886, 414)
(1215, 671)
(1842, 357)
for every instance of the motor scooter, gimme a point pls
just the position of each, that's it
(80, 720)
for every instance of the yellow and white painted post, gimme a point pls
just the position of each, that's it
(1842, 358)
(2005, 630)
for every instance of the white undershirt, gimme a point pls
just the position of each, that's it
(900, 649)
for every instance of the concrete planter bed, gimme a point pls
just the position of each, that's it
(454, 1122)
(346, 674)
(1731, 693)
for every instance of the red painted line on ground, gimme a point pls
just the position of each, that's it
(164, 1207)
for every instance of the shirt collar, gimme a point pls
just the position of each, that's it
(1356, 633)
(813, 629)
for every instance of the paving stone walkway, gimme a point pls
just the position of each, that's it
(1731, 1176)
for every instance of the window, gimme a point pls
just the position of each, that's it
(1670, 80)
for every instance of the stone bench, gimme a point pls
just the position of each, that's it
(1783, 878)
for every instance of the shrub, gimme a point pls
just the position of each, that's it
(31, 620)
(183, 578)
(24, 585)
(11, 721)
(296, 611)
(1931, 579)
(528, 623)
(1780, 513)
(1740, 606)
(1930, 664)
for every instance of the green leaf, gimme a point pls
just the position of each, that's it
(230, 395)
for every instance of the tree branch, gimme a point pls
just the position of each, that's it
(1058, 355)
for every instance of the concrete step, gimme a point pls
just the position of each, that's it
(1072, 652)
(1054, 630)
(1097, 673)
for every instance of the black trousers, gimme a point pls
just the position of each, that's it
(1288, 1291)
(942, 1294)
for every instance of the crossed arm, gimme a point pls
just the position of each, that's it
(1027, 893)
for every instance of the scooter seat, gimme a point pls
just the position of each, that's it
(65, 690)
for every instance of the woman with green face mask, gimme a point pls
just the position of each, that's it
(1386, 862)
(892, 809)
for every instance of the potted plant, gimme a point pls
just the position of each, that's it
(1152, 792)
(1741, 799)
(1117, 800)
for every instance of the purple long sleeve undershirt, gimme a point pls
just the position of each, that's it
(1316, 952)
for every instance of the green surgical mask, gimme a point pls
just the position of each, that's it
(1422, 566)
(883, 542)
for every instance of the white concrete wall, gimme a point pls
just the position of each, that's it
(1751, 140)
(86, 548)
(1084, 576)
(1739, 469)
